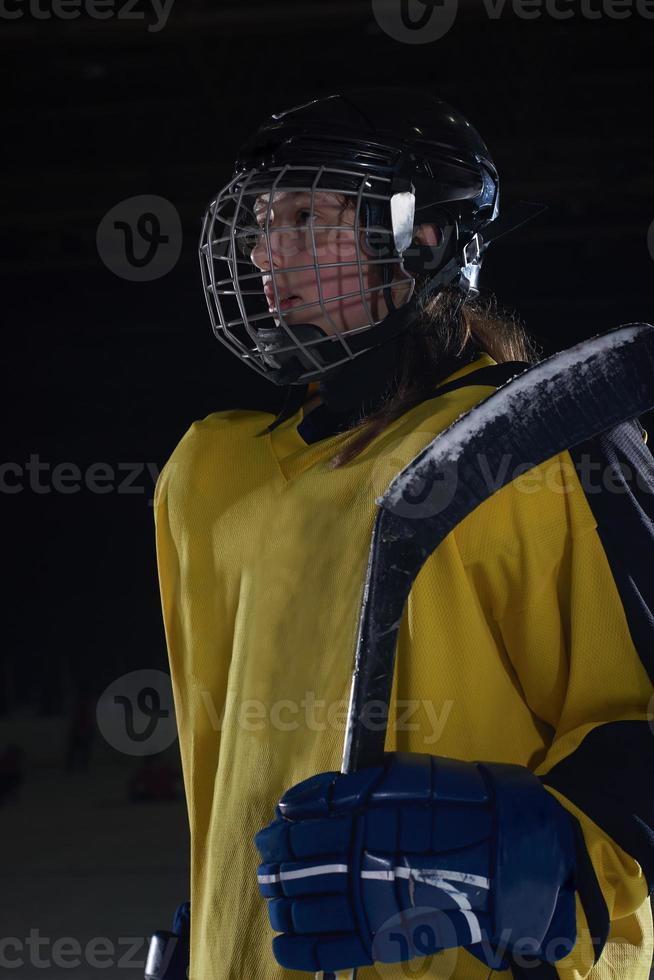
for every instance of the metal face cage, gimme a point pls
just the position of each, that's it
(244, 300)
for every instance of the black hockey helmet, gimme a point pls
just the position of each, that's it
(403, 157)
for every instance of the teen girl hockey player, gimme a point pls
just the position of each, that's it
(510, 830)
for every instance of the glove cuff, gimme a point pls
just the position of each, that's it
(533, 864)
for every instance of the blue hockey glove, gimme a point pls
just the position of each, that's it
(416, 856)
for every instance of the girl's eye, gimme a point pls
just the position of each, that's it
(301, 211)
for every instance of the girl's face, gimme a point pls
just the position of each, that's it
(298, 237)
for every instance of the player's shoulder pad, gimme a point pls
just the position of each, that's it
(205, 445)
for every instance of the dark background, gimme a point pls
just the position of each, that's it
(97, 368)
(100, 369)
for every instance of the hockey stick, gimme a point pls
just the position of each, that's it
(546, 409)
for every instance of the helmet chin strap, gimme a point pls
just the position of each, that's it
(288, 365)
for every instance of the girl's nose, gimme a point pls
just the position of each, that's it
(284, 245)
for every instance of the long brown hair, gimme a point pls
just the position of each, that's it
(445, 335)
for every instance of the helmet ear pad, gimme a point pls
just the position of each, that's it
(418, 259)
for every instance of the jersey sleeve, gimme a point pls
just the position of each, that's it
(193, 611)
(169, 572)
(584, 605)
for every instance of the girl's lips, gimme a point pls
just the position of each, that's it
(286, 304)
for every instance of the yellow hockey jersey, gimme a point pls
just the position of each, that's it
(518, 644)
